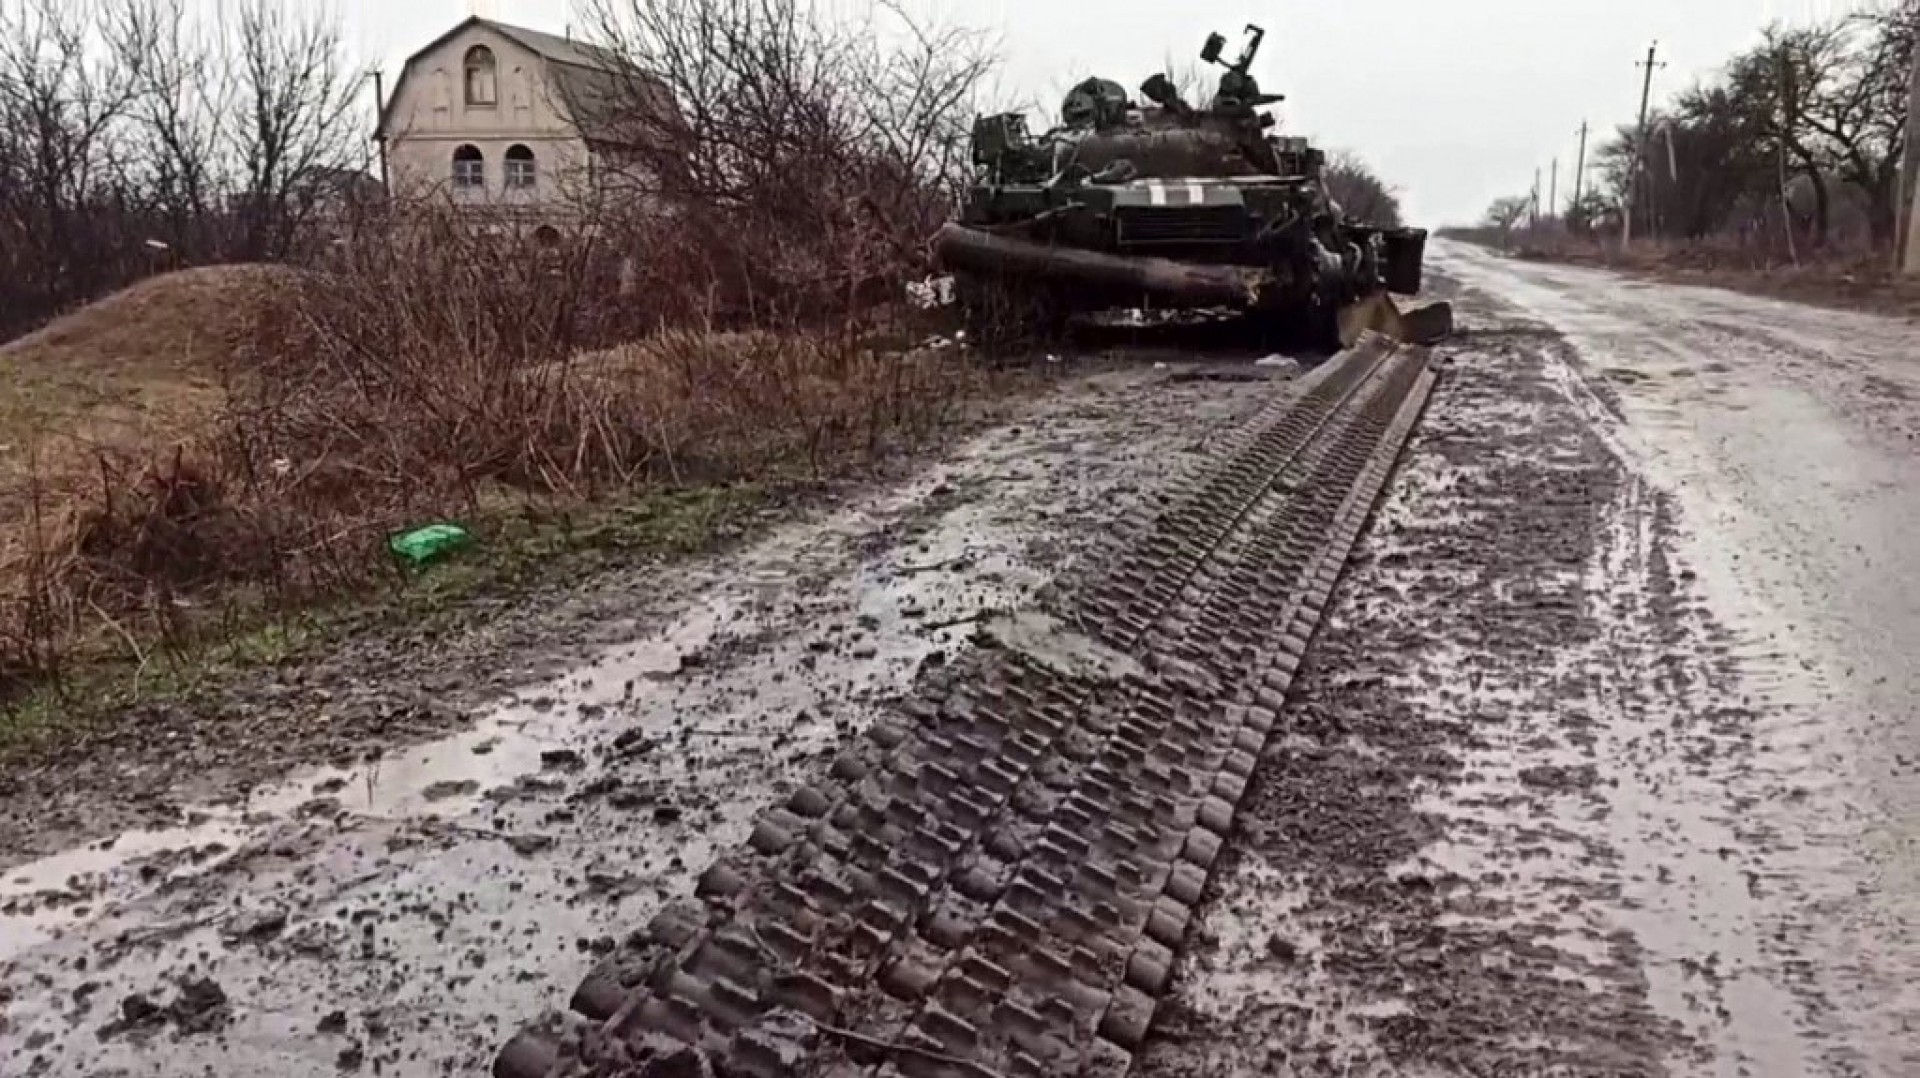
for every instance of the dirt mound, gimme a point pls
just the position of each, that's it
(124, 380)
(140, 353)
(185, 323)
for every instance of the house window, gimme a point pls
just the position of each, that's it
(469, 169)
(521, 170)
(483, 89)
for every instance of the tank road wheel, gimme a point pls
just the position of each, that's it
(1004, 315)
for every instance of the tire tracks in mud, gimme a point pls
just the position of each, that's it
(996, 882)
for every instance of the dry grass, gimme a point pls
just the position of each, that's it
(1842, 279)
(127, 375)
(96, 405)
(201, 459)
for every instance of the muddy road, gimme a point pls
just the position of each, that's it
(1605, 760)
(404, 909)
(1608, 760)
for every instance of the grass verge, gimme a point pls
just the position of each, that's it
(518, 553)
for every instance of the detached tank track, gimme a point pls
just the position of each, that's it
(995, 881)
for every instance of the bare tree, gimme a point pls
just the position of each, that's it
(1505, 213)
(124, 122)
(68, 73)
(1776, 82)
(1862, 116)
(918, 101)
(800, 156)
(296, 95)
(181, 120)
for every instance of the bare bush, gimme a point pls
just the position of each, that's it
(794, 162)
(435, 371)
(1361, 192)
(730, 307)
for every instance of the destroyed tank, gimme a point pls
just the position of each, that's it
(1161, 205)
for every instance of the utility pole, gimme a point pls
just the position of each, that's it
(1534, 217)
(1580, 170)
(1639, 146)
(380, 127)
(1553, 192)
(1908, 237)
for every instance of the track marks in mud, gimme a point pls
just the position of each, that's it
(1421, 886)
(994, 881)
(578, 807)
(1547, 801)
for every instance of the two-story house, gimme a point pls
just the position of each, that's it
(496, 115)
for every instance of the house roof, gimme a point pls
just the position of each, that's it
(352, 184)
(563, 50)
(583, 76)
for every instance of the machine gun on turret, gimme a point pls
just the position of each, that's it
(1239, 91)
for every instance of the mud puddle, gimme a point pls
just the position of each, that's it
(406, 911)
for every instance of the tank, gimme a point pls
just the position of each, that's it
(1161, 204)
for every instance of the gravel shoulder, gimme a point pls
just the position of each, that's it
(407, 905)
(1603, 761)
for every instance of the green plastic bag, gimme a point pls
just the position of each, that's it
(431, 543)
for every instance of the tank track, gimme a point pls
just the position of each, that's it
(995, 881)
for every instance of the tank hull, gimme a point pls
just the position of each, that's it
(1166, 205)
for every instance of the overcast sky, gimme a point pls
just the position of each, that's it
(1454, 101)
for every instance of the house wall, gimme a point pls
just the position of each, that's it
(429, 118)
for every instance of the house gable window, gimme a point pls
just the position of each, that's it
(469, 169)
(522, 170)
(483, 79)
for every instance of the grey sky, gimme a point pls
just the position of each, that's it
(1454, 101)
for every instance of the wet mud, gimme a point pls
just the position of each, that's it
(1783, 439)
(992, 881)
(1568, 786)
(402, 911)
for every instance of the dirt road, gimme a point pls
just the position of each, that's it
(1605, 760)
(1608, 761)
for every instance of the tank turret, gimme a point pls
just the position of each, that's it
(1159, 202)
